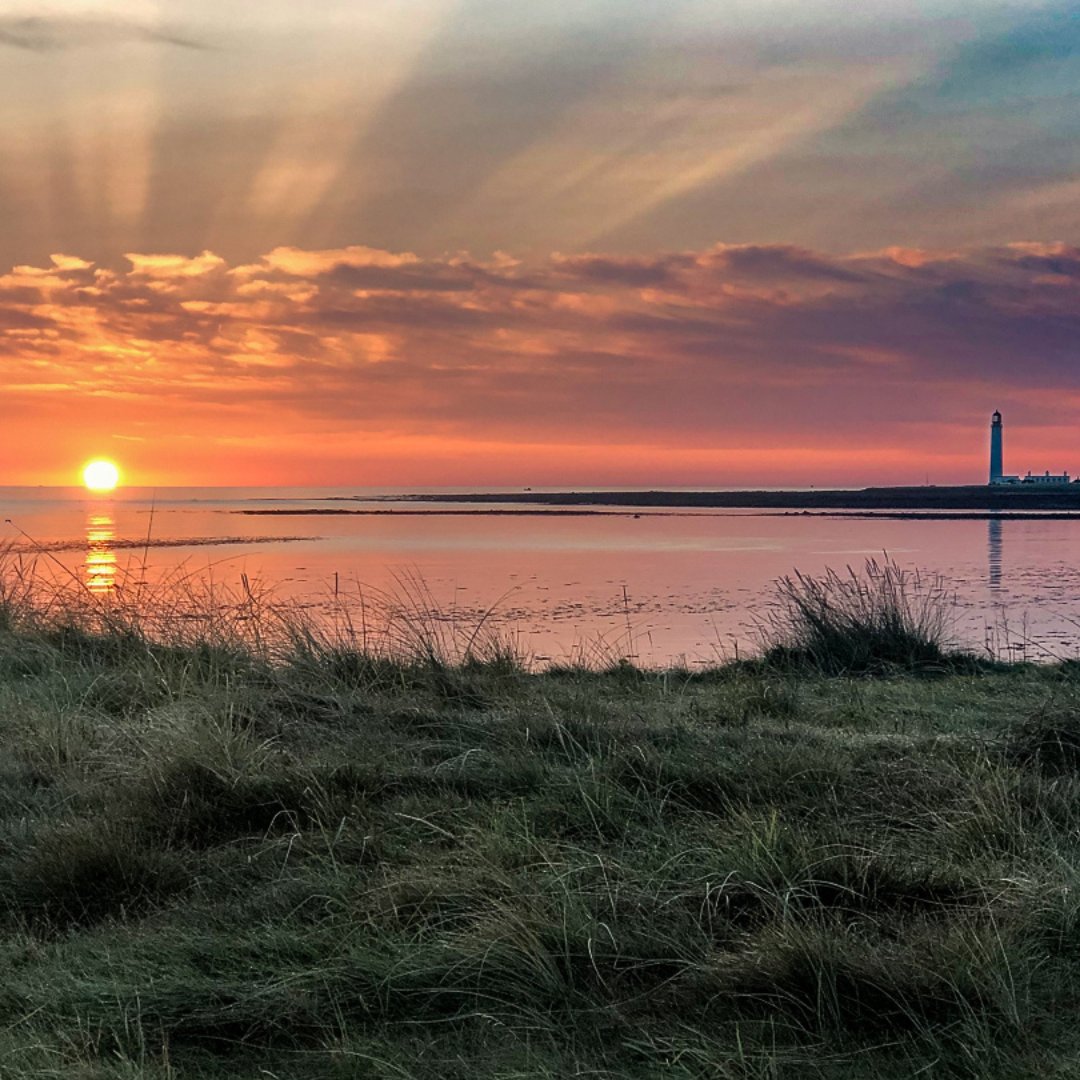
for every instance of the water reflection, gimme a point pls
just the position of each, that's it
(100, 564)
(993, 552)
(699, 579)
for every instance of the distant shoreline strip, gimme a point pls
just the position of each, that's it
(661, 512)
(928, 499)
(935, 515)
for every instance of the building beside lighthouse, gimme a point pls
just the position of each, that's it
(997, 462)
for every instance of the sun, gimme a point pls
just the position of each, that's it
(100, 475)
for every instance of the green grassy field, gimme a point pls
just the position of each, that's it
(217, 862)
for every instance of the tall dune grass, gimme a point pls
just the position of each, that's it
(853, 623)
(189, 608)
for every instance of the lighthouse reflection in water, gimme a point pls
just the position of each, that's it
(100, 563)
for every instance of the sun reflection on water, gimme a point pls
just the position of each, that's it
(100, 564)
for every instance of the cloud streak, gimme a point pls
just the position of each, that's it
(45, 34)
(608, 125)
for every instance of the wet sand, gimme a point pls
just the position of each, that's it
(42, 547)
(320, 511)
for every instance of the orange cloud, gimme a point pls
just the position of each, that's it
(749, 363)
(170, 267)
(300, 263)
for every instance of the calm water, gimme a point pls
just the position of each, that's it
(654, 584)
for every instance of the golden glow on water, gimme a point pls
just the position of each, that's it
(100, 475)
(100, 562)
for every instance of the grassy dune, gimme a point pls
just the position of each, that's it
(222, 858)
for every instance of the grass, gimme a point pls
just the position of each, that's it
(861, 623)
(238, 843)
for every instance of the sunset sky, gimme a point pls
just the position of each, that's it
(581, 242)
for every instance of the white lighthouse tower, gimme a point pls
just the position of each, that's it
(997, 470)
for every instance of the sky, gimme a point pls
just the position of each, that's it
(592, 243)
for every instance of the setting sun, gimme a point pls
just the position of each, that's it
(100, 475)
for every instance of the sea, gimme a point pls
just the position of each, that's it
(655, 586)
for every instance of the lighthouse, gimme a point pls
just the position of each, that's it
(996, 458)
(997, 463)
